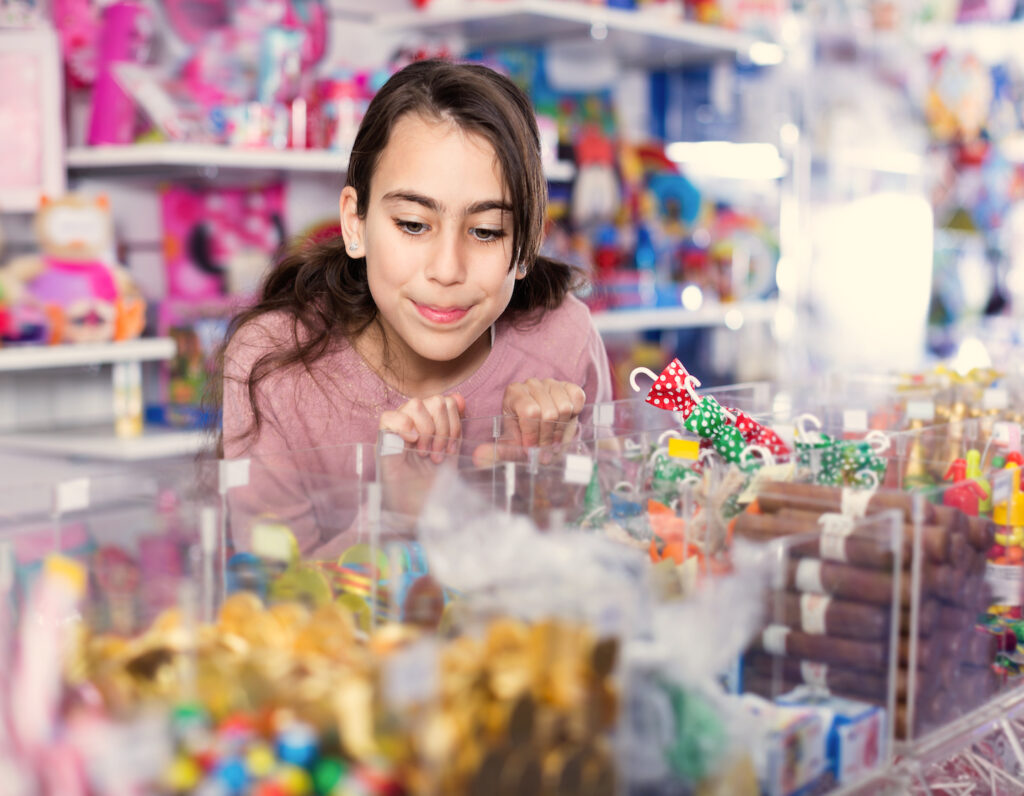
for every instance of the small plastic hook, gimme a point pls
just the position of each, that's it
(766, 454)
(690, 383)
(879, 436)
(872, 478)
(666, 435)
(641, 371)
(801, 428)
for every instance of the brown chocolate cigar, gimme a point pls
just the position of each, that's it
(813, 497)
(927, 619)
(779, 640)
(842, 680)
(868, 585)
(868, 549)
(817, 613)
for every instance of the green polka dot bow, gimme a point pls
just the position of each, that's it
(843, 462)
(708, 420)
(821, 455)
(861, 464)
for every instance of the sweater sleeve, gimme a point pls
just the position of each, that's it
(595, 372)
(275, 488)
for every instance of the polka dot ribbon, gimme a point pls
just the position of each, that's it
(756, 434)
(841, 463)
(669, 390)
(708, 420)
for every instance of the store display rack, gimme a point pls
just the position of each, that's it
(638, 38)
(149, 157)
(146, 349)
(97, 442)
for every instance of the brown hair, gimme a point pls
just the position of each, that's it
(325, 291)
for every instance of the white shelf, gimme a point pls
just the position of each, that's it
(42, 357)
(638, 37)
(100, 442)
(639, 320)
(147, 157)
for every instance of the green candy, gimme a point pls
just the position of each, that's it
(327, 773)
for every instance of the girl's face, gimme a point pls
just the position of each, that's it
(437, 238)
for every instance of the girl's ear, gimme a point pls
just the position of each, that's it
(351, 224)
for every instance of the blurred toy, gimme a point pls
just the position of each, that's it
(124, 36)
(595, 195)
(78, 25)
(71, 286)
(218, 241)
(959, 96)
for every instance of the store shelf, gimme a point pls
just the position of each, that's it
(149, 157)
(647, 38)
(147, 349)
(654, 318)
(99, 442)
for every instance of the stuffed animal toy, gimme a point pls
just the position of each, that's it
(71, 284)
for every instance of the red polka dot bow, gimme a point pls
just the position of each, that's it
(669, 390)
(756, 434)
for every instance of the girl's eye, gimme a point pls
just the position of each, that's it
(486, 235)
(411, 227)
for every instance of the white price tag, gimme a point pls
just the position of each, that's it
(233, 473)
(995, 398)
(773, 639)
(273, 541)
(391, 443)
(411, 675)
(855, 420)
(1002, 486)
(808, 576)
(578, 468)
(604, 414)
(921, 410)
(1007, 435)
(71, 495)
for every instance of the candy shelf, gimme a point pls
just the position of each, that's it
(638, 38)
(733, 315)
(100, 442)
(147, 349)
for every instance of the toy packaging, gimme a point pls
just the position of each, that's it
(219, 241)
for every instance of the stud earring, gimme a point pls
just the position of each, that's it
(353, 246)
(521, 268)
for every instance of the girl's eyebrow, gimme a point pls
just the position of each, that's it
(437, 207)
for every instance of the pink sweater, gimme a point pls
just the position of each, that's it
(302, 462)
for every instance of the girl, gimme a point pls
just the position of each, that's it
(434, 304)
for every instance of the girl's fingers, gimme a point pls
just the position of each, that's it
(399, 423)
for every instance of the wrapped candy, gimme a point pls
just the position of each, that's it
(841, 462)
(674, 390)
(710, 421)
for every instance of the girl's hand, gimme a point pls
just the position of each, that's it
(544, 410)
(431, 425)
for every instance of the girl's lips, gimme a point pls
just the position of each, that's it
(441, 314)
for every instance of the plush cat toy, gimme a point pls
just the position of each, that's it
(83, 295)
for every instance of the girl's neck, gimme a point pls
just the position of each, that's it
(411, 374)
